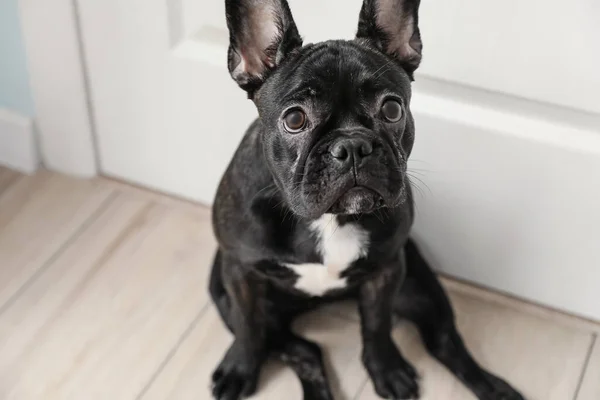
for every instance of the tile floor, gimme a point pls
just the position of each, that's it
(103, 296)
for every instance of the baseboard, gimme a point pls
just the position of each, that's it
(18, 149)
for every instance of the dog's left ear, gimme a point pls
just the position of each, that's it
(393, 27)
(261, 34)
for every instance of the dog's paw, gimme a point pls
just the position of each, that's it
(494, 388)
(234, 378)
(393, 377)
(399, 384)
(316, 392)
(232, 383)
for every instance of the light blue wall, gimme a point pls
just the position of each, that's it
(14, 81)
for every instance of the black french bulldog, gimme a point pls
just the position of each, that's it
(316, 205)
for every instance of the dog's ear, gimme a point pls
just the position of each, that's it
(261, 34)
(393, 27)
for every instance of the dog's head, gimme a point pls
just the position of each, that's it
(336, 119)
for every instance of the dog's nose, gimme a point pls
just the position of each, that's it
(348, 150)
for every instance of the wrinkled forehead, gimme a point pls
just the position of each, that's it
(338, 70)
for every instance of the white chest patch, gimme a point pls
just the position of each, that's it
(339, 246)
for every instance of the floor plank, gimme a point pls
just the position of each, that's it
(100, 320)
(187, 375)
(522, 306)
(542, 359)
(590, 386)
(348, 309)
(7, 178)
(38, 215)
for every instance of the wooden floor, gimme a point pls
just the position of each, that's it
(103, 296)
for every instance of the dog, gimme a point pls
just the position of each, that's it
(316, 205)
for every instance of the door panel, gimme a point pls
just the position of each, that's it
(510, 196)
(509, 211)
(544, 50)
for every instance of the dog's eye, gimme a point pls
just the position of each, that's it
(294, 121)
(391, 110)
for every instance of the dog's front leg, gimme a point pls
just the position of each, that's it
(392, 376)
(237, 374)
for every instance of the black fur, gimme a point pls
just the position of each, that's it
(348, 160)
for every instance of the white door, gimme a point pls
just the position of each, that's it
(507, 105)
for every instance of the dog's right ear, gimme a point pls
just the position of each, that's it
(261, 34)
(393, 27)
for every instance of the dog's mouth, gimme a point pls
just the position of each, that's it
(357, 200)
(349, 188)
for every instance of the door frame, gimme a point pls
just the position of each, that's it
(57, 73)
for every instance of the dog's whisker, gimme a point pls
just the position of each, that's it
(416, 171)
(421, 182)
